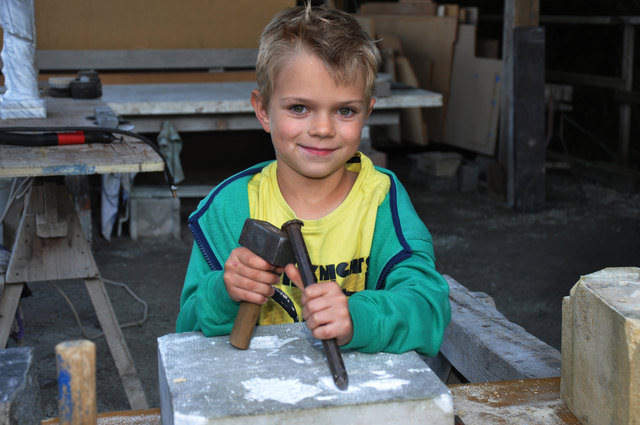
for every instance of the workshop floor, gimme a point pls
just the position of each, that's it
(526, 262)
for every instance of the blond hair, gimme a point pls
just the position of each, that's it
(334, 36)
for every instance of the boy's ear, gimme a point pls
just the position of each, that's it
(373, 102)
(261, 110)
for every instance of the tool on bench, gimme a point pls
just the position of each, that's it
(280, 247)
(56, 136)
(55, 139)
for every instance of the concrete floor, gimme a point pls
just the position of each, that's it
(526, 262)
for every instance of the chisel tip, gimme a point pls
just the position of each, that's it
(342, 382)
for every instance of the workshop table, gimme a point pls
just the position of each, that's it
(227, 106)
(44, 232)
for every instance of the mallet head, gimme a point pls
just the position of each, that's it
(267, 241)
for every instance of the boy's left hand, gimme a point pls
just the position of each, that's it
(325, 308)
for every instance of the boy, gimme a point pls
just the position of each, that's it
(373, 256)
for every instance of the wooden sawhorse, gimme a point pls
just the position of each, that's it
(50, 244)
(43, 230)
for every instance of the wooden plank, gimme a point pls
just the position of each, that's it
(48, 224)
(529, 147)
(525, 13)
(475, 92)
(153, 24)
(427, 42)
(625, 108)
(158, 77)
(116, 342)
(36, 259)
(184, 191)
(590, 20)
(412, 126)
(518, 100)
(518, 402)
(483, 345)
(145, 59)
(403, 8)
(122, 417)
(9, 299)
(117, 157)
(578, 79)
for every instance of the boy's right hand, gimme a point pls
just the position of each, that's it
(248, 277)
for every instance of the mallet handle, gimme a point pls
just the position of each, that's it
(244, 324)
(76, 362)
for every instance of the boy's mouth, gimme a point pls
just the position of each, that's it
(318, 151)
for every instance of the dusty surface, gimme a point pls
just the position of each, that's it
(532, 401)
(527, 263)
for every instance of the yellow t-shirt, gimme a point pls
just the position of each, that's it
(339, 243)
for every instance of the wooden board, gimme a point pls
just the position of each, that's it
(412, 126)
(483, 345)
(526, 189)
(117, 157)
(153, 24)
(133, 59)
(474, 101)
(427, 42)
(521, 402)
(404, 8)
(37, 257)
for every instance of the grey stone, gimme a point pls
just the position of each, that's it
(283, 378)
(601, 347)
(152, 217)
(19, 390)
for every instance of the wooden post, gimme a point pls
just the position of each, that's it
(76, 363)
(625, 107)
(522, 145)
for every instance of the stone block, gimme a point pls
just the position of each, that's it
(154, 216)
(19, 389)
(601, 347)
(283, 378)
(438, 164)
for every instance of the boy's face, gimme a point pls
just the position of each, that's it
(315, 125)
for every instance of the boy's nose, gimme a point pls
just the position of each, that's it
(322, 126)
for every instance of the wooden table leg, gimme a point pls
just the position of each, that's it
(116, 342)
(9, 300)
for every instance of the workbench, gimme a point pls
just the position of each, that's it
(227, 105)
(43, 230)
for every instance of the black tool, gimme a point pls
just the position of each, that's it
(331, 349)
(55, 139)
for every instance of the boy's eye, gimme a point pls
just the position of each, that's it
(298, 109)
(346, 112)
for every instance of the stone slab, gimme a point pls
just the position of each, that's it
(153, 217)
(283, 378)
(601, 347)
(225, 98)
(19, 389)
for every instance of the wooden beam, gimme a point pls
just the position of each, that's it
(526, 13)
(625, 108)
(578, 79)
(529, 147)
(523, 96)
(483, 345)
(70, 60)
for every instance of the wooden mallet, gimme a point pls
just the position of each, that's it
(76, 363)
(270, 243)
